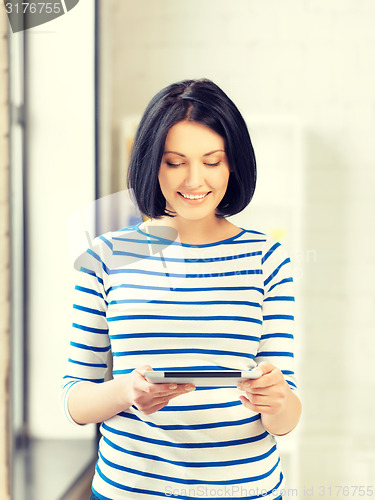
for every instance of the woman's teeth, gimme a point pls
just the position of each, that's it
(193, 197)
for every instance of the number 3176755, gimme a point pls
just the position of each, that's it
(33, 7)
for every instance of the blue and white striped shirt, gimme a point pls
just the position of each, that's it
(225, 305)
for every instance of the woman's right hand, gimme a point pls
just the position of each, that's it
(90, 402)
(148, 397)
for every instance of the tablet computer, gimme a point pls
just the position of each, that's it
(222, 378)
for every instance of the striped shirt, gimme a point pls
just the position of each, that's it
(219, 306)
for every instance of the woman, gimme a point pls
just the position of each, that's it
(186, 290)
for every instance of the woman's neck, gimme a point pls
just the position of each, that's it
(196, 232)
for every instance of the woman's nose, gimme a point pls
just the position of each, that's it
(194, 176)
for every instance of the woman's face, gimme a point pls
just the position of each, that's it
(194, 171)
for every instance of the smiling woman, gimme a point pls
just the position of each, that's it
(216, 298)
(200, 166)
(203, 105)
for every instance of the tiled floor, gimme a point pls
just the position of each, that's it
(46, 468)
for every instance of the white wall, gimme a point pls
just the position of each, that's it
(313, 60)
(60, 173)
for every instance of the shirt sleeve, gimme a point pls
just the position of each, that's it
(89, 342)
(277, 337)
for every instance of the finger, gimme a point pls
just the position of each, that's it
(167, 396)
(174, 387)
(143, 369)
(258, 399)
(267, 380)
(184, 388)
(171, 389)
(274, 391)
(268, 377)
(248, 404)
(151, 388)
(253, 407)
(263, 383)
(258, 394)
(156, 388)
(139, 372)
(156, 403)
(152, 408)
(265, 367)
(185, 391)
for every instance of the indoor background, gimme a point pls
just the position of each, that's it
(302, 73)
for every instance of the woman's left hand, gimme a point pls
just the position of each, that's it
(267, 394)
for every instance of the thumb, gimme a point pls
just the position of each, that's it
(143, 369)
(265, 367)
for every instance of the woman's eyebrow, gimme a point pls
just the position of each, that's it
(216, 151)
(206, 154)
(175, 153)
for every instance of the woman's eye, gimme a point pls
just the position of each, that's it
(173, 164)
(213, 164)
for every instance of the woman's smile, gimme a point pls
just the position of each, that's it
(194, 198)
